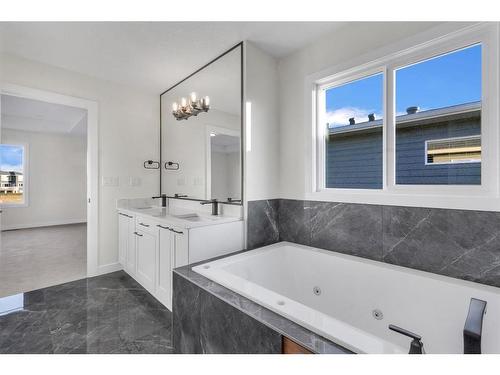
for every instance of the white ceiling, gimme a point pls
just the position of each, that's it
(37, 116)
(150, 55)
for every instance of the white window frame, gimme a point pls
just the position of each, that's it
(409, 52)
(450, 139)
(26, 183)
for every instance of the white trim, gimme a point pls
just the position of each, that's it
(420, 47)
(108, 268)
(450, 139)
(92, 159)
(26, 176)
(44, 224)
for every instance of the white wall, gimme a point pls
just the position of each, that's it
(128, 135)
(57, 180)
(354, 41)
(262, 172)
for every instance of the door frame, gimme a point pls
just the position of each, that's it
(92, 158)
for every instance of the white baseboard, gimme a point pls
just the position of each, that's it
(44, 224)
(108, 268)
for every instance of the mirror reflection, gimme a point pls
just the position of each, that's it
(201, 133)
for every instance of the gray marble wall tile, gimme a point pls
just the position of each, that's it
(262, 223)
(353, 229)
(294, 221)
(203, 323)
(458, 243)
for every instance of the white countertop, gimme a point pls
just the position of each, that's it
(180, 217)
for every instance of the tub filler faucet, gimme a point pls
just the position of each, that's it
(416, 346)
(474, 326)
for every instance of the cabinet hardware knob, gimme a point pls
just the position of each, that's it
(176, 231)
(144, 225)
(137, 234)
(162, 227)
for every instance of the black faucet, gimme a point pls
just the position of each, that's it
(163, 199)
(474, 326)
(215, 205)
(416, 346)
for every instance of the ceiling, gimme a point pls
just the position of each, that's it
(149, 55)
(37, 116)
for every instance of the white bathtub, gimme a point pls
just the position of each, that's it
(284, 277)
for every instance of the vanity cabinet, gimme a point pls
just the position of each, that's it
(150, 248)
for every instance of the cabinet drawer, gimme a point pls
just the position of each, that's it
(146, 224)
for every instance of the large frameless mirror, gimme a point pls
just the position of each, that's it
(201, 130)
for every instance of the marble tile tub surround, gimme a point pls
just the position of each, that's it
(209, 318)
(457, 243)
(111, 313)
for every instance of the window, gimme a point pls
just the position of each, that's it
(416, 127)
(438, 113)
(353, 139)
(453, 150)
(12, 175)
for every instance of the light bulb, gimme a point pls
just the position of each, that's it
(193, 97)
(183, 102)
(207, 101)
(175, 106)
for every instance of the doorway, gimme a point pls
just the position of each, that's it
(48, 189)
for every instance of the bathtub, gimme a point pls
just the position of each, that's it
(351, 301)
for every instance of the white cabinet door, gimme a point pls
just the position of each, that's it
(146, 259)
(181, 248)
(165, 258)
(130, 262)
(123, 236)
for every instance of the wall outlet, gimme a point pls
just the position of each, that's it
(110, 181)
(135, 181)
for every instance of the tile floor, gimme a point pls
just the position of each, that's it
(111, 313)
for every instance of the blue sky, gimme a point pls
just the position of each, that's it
(447, 80)
(11, 158)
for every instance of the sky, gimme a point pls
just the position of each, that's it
(11, 158)
(446, 80)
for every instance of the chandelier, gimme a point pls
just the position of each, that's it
(191, 107)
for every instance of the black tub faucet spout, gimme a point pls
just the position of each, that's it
(416, 346)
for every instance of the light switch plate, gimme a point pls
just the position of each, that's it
(110, 181)
(134, 181)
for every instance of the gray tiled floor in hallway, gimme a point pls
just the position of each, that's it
(106, 314)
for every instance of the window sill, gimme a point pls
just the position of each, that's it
(463, 201)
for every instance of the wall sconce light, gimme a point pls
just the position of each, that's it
(186, 108)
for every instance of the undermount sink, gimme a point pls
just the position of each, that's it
(153, 211)
(189, 217)
(195, 217)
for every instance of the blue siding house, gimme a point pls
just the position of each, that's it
(439, 147)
